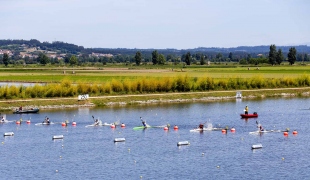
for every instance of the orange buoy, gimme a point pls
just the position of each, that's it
(166, 128)
(295, 132)
(122, 125)
(223, 130)
(175, 127)
(112, 126)
(17, 122)
(285, 133)
(73, 123)
(28, 121)
(232, 130)
(63, 124)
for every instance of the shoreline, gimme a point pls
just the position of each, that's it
(150, 99)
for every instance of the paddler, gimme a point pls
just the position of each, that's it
(201, 126)
(246, 110)
(261, 128)
(97, 122)
(143, 123)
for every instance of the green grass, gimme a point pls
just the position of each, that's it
(99, 75)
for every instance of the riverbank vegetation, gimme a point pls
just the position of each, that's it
(145, 85)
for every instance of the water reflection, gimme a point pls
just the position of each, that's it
(26, 84)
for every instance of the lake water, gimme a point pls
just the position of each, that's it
(90, 152)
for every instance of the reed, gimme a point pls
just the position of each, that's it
(182, 83)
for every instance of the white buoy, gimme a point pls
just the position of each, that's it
(119, 139)
(182, 143)
(58, 137)
(8, 134)
(257, 146)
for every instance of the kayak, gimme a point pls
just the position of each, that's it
(205, 129)
(266, 131)
(94, 125)
(249, 115)
(44, 123)
(5, 121)
(142, 127)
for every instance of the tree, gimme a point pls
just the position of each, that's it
(73, 60)
(43, 59)
(138, 58)
(279, 57)
(155, 57)
(230, 56)
(161, 59)
(291, 56)
(219, 56)
(306, 57)
(188, 58)
(202, 60)
(272, 54)
(300, 58)
(5, 59)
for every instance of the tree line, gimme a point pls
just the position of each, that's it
(78, 55)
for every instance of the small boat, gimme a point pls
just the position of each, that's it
(254, 115)
(26, 111)
(238, 95)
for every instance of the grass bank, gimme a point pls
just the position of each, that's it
(148, 99)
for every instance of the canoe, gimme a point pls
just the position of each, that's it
(26, 111)
(249, 115)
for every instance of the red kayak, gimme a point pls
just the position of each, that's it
(249, 115)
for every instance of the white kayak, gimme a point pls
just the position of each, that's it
(6, 121)
(265, 131)
(99, 123)
(44, 123)
(205, 129)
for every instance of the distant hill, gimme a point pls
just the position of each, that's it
(62, 47)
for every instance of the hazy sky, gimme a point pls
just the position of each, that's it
(179, 24)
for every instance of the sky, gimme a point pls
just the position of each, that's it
(158, 24)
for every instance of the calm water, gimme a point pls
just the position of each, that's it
(90, 153)
(26, 84)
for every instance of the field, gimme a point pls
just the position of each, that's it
(120, 84)
(103, 74)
